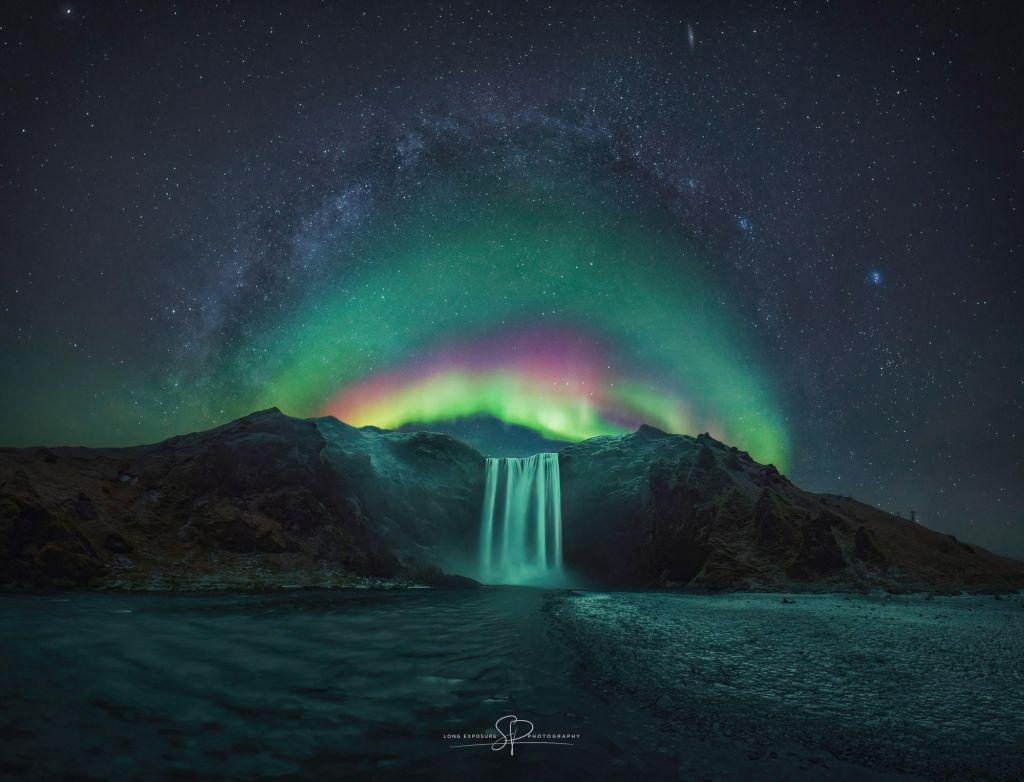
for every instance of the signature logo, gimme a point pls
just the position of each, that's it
(512, 731)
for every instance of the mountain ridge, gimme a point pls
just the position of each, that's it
(272, 501)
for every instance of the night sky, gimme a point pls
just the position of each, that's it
(793, 225)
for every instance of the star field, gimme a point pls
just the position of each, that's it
(793, 225)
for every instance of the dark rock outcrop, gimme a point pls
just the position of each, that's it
(269, 500)
(266, 500)
(423, 490)
(650, 509)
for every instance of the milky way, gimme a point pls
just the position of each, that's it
(794, 226)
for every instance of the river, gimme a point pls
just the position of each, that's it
(389, 684)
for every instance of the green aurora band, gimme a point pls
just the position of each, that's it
(672, 351)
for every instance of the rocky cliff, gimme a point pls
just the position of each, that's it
(270, 500)
(267, 500)
(652, 509)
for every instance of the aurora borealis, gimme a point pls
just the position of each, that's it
(794, 226)
(573, 323)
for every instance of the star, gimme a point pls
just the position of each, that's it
(571, 232)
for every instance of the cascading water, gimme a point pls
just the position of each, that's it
(521, 524)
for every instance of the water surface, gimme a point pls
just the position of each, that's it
(370, 684)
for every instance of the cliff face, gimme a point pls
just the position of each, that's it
(657, 510)
(265, 500)
(270, 500)
(423, 490)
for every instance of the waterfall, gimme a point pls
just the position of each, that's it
(521, 523)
